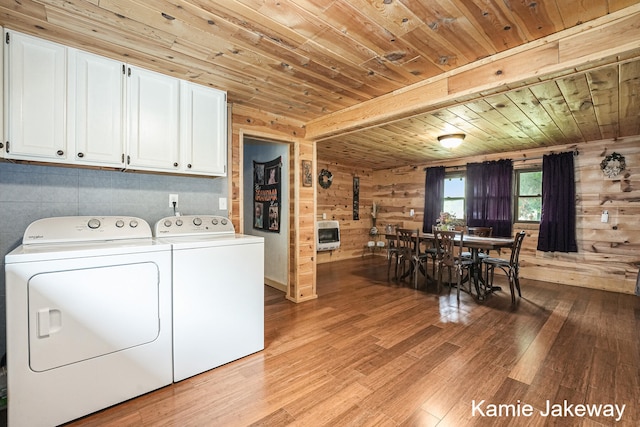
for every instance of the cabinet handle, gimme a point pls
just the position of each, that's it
(60, 153)
(189, 165)
(128, 160)
(175, 165)
(81, 155)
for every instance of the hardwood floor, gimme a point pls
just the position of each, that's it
(372, 353)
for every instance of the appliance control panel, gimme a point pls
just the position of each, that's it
(68, 229)
(188, 225)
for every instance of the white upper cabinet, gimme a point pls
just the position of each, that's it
(96, 109)
(35, 99)
(203, 128)
(153, 121)
(65, 105)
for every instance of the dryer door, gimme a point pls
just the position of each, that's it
(79, 314)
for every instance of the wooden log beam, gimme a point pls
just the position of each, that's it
(606, 39)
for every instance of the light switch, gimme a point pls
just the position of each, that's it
(412, 212)
(605, 216)
(222, 203)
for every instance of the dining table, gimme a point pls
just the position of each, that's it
(475, 244)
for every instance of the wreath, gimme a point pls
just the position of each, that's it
(613, 164)
(325, 178)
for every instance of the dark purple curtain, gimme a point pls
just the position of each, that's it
(488, 194)
(433, 196)
(558, 221)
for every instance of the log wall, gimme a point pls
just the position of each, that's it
(608, 257)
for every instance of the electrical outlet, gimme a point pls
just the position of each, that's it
(605, 216)
(173, 198)
(412, 212)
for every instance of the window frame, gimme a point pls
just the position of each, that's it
(517, 196)
(456, 175)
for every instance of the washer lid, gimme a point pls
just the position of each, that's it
(209, 240)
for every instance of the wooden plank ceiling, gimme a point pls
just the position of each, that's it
(309, 60)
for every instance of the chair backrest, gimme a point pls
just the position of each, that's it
(450, 242)
(515, 252)
(480, 231)
(407, 241)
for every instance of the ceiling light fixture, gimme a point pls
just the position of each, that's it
(452, 140)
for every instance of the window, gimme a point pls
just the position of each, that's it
(454, 195)
(528, 195)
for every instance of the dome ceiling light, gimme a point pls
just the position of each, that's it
(452, 140)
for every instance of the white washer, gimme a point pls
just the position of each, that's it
(218, 292)
(88, 317)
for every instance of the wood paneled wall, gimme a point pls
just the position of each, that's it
(609, 253)
(337, 203)
(255, 123)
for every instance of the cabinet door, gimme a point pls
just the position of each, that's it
(96, 109)
(35, 98)
(153, 121)
(203, 128)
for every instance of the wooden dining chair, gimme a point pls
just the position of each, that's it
(408, 241)
(452, 259)
(480, 232)
(432, 252)
(511, 267)
(392, 252)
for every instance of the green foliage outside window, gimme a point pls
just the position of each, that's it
(529, 195)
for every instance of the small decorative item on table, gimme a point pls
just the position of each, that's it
(446, 221)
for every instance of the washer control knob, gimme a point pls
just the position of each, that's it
(214, 221)
(133, 223)
(119, 223)
(167, 223)
(179, 222)
(93, 223)
(197, 222)
(224, 221)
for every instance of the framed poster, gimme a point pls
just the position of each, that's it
(356, 198)
(307, 176)
(267, 195)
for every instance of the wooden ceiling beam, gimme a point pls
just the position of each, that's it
(613, 35)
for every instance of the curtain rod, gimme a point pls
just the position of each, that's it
(576, 153)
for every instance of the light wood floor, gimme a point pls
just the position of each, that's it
(372, 353)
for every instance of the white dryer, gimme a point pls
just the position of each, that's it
(88, 317)
(218, 292)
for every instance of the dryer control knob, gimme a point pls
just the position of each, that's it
(224, 221)
(214, 221)
(133, 223)
(93, 223)
(119, 223)
(179, 222)
(197, 222)
(167, 223)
